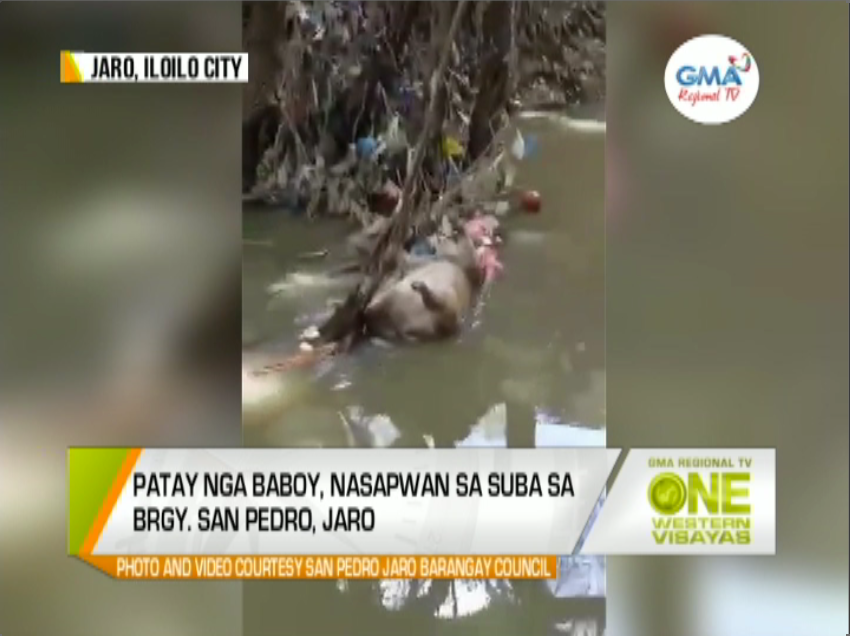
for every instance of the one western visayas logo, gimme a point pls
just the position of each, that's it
(706, 501)
(712, 79)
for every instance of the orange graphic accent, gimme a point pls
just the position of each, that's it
(111, 499)
(70, 72)
(311, 567)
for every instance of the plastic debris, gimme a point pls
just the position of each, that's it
(531, 147)
(452, 148)
(310, 333)
(393, 138)
(530, 201)
(423, 247)
(518, 146)
(367, 147)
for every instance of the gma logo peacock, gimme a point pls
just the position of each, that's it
(710, 508)
(712, 79)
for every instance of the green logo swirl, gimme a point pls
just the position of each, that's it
(667, 493)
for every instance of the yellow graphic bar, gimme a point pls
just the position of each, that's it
(68, 69)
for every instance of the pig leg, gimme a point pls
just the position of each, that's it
(446, 321)
(428, 297)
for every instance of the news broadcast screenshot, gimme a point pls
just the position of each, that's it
(352, 319)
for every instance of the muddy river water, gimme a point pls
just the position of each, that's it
(529, 370)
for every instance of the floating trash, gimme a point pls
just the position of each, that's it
(310, 333)
(518, 146)
(423, 247)
(394, 138)
(367, 147)
(531, 147)
(452, 148)
(530, 201)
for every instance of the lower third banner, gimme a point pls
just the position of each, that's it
(432, 513)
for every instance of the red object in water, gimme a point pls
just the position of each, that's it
(530, 201)
(385, 201)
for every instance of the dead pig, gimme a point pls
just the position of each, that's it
(431, 301)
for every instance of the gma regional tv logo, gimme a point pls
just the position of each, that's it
(705, 501)
(712, 79)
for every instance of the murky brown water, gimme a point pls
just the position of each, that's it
(537, 346)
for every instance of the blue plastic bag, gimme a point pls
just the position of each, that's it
(366, 147)
(422, 247)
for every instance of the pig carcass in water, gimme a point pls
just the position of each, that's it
(431, 301)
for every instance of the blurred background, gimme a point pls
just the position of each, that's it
(727, 305)
(727, 311)
(121, 299)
